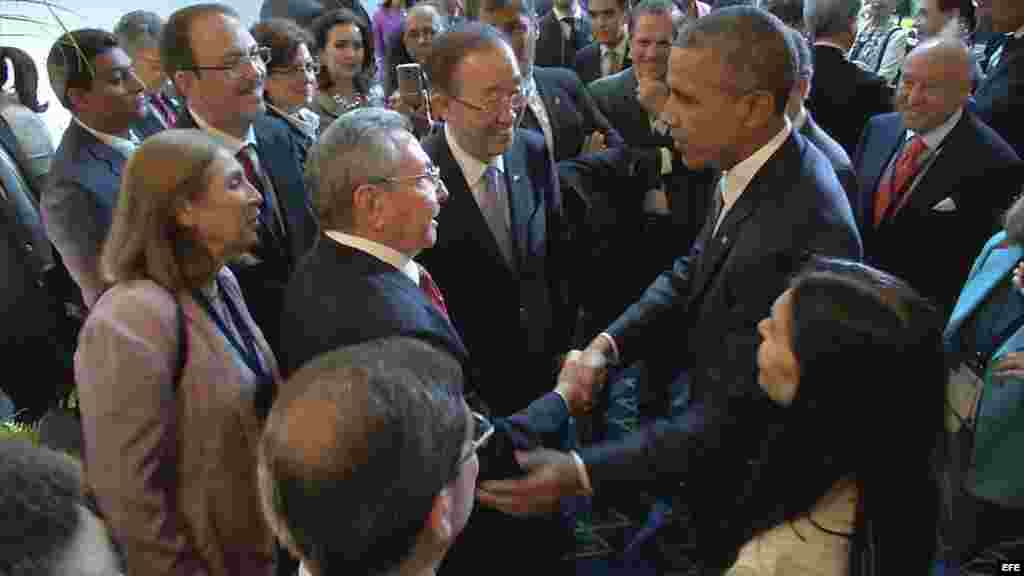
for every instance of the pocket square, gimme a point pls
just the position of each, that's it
(947, 205)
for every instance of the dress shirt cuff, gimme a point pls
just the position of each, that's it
(615, 347)
(666, 160)
(581, 474)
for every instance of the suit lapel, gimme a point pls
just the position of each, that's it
(889, 139)
(998, 263)
(522, 204)
(553, 106)
(941, 176)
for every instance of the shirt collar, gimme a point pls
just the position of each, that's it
(379, 251)
(123, 145)
(233, 144)
(740, 175)
(934, 137)
(576, 12)
(800, 120)
(620, 48)
(472, 168)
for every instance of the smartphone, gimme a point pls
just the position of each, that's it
(410, 84)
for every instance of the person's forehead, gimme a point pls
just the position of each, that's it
(654, 24)
(219, 35)
(487, 68)
(603, 5)
(423, 17)
(112, 59)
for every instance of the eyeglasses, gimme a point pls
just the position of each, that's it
(311, 67)
(433, 174)
(482, 431)
(258, 56)
(515, 101)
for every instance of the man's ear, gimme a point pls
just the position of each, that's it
(185, 214)
(440, 519)
(183, 81)
(368, 205)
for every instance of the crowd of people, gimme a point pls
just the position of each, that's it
(322, 314)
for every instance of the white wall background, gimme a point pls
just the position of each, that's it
(36, 39)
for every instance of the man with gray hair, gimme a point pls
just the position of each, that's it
(139, 35)
(378, 195)
(845, 95)
(730, 74)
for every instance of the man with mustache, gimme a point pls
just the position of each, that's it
(94, 79)
(929, 168)
(221, 79)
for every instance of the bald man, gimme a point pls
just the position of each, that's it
(932, 178)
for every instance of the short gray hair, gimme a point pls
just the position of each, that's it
(656, 7)
(359, 145)
(139, 30)
(752, 45)
(824, 18)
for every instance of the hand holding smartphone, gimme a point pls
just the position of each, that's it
(410, 85)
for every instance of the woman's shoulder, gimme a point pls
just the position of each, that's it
(142, 297)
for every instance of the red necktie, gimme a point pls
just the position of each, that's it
(429, 287)
(891, 190)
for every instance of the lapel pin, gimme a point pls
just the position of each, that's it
(515, 177)
(725, 239)
(557, 100)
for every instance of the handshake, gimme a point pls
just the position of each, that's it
(583, 376)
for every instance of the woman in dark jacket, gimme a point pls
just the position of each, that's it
(291, 77)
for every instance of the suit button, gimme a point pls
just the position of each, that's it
(41, 283)
(28, 247)
(523, 314)
(714, 374)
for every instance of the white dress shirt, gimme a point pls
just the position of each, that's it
(126, 146)
(933, 139)
(385, 254)
(736, 179)
(473, 170)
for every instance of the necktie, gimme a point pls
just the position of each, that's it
(267, 209)
(493, 204)
(611, 59)
(164, 110)
(892, 189)
(433, 293)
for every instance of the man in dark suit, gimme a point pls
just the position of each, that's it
(609, 52)
(654, 228)
(558, 106)
(933, 178)
(843, 95)
(221, 79)
(379, 195)
(139, 34)
(92, 77)
(1000, 97)
(777, 199)
(562, 32)
(804, 123)
(501, 258)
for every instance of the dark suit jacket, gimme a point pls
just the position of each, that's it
(703, 314)
(838, 157)
(514, 321)
(552, 47)
(588, 62)
(263, 284)
(843, 96)
(78, 204)
(975, 168)
(341, 296)
(999, 99)
(686, 191)
(571, 110)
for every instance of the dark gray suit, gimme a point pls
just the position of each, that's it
(702, 316)
(1000, 97)
(838, 157)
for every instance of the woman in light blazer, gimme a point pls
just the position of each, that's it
(985, 337)
(174, 376)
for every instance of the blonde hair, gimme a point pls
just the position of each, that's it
(145, 238)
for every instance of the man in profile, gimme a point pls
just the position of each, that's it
(379, 435)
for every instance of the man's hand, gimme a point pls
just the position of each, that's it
(550, 476)
(595, 143)
(1010, 366)
(652, 95)
(584, 374)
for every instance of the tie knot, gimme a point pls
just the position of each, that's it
(916, 147)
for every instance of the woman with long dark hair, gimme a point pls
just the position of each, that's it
(344, 46)
(853, 359)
